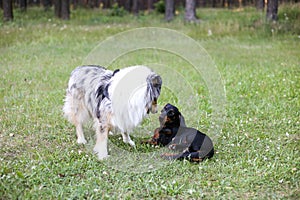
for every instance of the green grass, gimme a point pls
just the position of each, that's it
(257, 150)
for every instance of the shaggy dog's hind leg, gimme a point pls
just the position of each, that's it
(127, 139)
(76, 113)
(80, 135)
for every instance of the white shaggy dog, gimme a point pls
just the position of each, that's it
(119, 99)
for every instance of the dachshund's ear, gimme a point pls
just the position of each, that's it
(182, 121)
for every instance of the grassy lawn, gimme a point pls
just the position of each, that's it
(257, 150)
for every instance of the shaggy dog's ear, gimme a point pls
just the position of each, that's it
(155, 80)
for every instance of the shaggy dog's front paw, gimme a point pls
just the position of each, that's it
(131, 143)
(81, 141)
(101, 153)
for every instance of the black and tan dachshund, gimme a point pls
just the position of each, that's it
(184, 142)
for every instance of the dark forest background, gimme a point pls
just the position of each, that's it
(62, 7)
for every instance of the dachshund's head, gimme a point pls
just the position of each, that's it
(170, 120)
(171, 117)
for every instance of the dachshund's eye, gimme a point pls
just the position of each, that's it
(171, 113)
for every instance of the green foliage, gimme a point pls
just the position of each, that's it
(257, 152)
(160, 6)
(289, 18)
(117, 10)
(289, 12)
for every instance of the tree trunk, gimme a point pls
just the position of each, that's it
(97, 3)
(224, 4)
(23, 5)
(169, 10)
(260, 5)
(62, 9)
(47, 4)
(272, 10)
(135, 7)
(240, 3)
(127, 5)
(190, 11)
(33, 2)
(57, 8)
(91, 3)
(108, 3)
(229, 3)
(149, 5)
(75, 3)
(7, 10)
(214, 3)
(65, 10)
